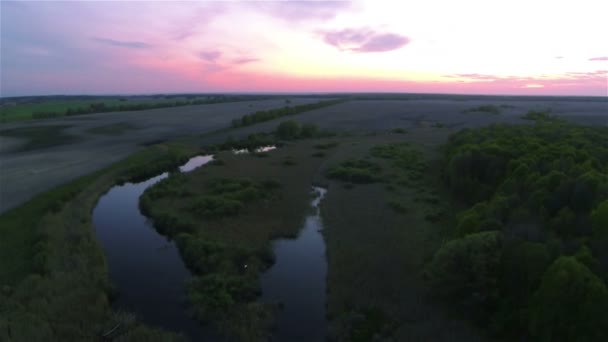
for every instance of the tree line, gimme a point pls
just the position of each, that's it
(102, 107)
(266, 115)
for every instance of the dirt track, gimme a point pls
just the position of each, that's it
(25, 174)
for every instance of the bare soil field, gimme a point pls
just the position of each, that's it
(108, 137)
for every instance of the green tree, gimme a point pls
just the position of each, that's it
(599, 220)
(467, 269)
(570, 304)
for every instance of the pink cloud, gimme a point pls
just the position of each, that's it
(297, 11)
(210, 55)
(121, 43)
(596, 59)
(245, 60)
(364, 40)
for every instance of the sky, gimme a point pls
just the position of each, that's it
(528, 47)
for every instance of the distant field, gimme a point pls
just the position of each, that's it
(17, 109)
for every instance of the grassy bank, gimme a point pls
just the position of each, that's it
(53, 277)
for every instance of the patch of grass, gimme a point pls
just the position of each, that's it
(371, 324)
(112, 129)
(538, 115)
(485, 109)
(408, 161)
(398, 206)
(319, 154)
(39, 137)
(326, 146)
(217, 162)
(288, 161)
(355, 171)
(399, 130)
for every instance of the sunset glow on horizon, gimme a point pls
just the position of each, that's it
(468, 47)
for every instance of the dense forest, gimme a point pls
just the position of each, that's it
(529, 254)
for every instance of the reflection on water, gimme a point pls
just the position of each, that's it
(144, 266)
(260, 149)
(297, 281)
(195, 162)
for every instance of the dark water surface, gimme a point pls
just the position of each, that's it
(144, 266)
(149, 273)
(297, 281)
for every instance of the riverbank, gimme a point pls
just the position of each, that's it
(53, 271)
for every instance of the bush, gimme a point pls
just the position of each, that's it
(288, 130)
(309, 131)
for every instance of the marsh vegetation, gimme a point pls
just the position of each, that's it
(496, 232)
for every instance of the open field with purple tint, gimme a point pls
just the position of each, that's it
(102, 139)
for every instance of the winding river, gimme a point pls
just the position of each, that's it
(144, 266)
(149, 274)
(297, 281)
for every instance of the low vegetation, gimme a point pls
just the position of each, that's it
(39, 137)
(485, 109)
(539, 115)
(532, 233)
(267, 115)
(112, 129)
(355, 171)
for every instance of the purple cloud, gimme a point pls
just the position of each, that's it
(597, 59)
(364, 40)
(120, 43)
(210, 56)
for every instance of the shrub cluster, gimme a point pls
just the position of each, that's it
(227, 197)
